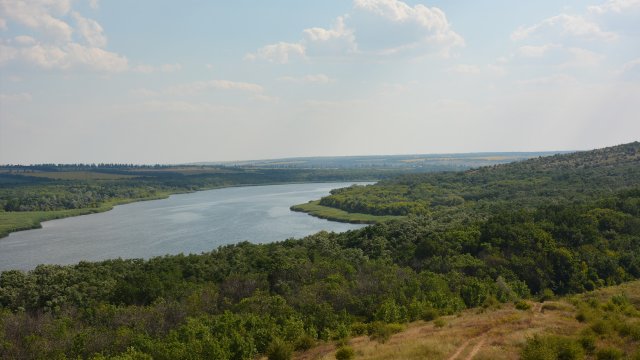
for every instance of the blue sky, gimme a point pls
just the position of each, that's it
(168, 82)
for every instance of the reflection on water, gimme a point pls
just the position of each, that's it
(185, 223)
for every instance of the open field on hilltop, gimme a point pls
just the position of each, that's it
(324, 212)
(75, 175)
(502, 333)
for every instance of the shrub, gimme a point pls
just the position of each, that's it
(439, 323)
(279, 350)
(601, 327)
(609, 354)
(588, 343)
(491, 303)
(342, 331)
(359, 328)
(429, 314)
(629, 329)
(305, 342)
(345, 353)
(522, 305)
(382, 332)
(551, 347)
(547, 294)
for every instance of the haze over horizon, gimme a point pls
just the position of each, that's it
(158, 82)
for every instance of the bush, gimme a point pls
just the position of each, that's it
(491, 303)
(547, 294)
(609, 354)
(279, 350)
(439, 323)
(588, 343)
(345, 353)
(429, 314)
(359, 328)
(602, 327)
(522, 305)
(305, 342)
(551, 348)
(382, 332)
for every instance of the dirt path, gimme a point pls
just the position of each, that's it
(476, 348)
(481, 339)
(459, 350)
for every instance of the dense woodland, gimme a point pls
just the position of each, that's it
(539, 238)
(480, 192)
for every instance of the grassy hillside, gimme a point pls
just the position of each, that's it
(483, 191)
(603, 324)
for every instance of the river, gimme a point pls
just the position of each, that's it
(183, 223)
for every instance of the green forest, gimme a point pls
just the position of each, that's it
(534, 229)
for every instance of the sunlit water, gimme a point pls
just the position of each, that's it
(185, 223)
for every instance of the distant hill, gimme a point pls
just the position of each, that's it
(544, 180)
(424, 162)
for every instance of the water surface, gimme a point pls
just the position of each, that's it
(184, 223)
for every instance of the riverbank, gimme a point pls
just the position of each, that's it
(314, 208)
(12, 221)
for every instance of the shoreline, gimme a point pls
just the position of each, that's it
(313, 208)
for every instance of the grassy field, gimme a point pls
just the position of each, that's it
(313, 208)
(611, 324)
(25, 220)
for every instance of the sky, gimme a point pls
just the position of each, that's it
(155, 81)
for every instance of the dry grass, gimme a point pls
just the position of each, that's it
(497, 334)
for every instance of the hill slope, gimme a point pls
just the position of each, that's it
(479, 192)
(609, 321)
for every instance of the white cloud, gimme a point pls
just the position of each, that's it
(498, 70)
(202, 86)
(165, 68)
(280, 53)
(465, 69)
(3, 24)
(557, 79)
(616, 6)
(178, 106)
(90, 30)
(53, 46)
(39, 15)
(629, 66)
(537, 51)
(384, 27)
(338, 40)
(308, 79)
(582, 58)
(64, 57)
(24, 40)
(572, 25)
(15, 98)
(398, 11)
(236, 85)
(411, 25)
(265, 98)
(143, 93)
(94, 4)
